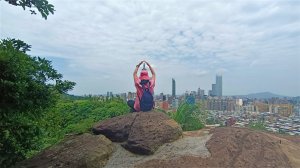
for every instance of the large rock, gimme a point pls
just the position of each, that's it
(142, 132)
(231, 147)
(117, 128)
(86, 150)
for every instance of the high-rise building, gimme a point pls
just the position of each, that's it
(193, 93)
(200, 93)
(221, 104)
(214, 90)
(164, 98)
(218, 85)
(210, 93)
(161, 96)
(109, 95)
(173, 88)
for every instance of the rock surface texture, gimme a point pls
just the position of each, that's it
(237, 147)
(116, 128)
(210, 147)
(142, 132)
(77, 151)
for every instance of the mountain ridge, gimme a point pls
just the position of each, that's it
(262, 95)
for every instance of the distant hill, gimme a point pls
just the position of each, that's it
(262, 95)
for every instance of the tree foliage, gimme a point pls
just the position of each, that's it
(27, 82)
(28, 85)
(43, 6)
(75, 116)
(79, 115)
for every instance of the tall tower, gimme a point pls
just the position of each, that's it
(173, 88)
(214, 91)
(219, 85)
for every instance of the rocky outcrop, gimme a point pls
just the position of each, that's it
(150, 131)
(234, 148)
(117, 128)
(142, 133)
(78, 151)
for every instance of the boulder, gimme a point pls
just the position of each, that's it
(143, 132)
(116, 128)
(150, 131)
(77, 151)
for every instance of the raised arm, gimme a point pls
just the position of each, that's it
(136, 70)
(151, 69)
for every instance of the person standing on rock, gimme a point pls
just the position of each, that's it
(144, 89)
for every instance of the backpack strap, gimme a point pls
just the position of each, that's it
(143, 88)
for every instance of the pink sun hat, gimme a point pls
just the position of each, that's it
(144, 75)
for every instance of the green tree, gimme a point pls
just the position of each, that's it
(42, 6)
(28, 86)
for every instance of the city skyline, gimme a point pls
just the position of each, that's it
(251, 95)
(214, 91)
(254, 45)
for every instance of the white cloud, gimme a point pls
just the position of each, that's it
(188, 40)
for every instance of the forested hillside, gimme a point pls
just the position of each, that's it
(68, 116)
(77, 116)
(34, 109)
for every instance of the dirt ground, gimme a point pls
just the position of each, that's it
(290, 145)
(238, 147)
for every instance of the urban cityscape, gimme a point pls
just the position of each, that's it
(278, 114)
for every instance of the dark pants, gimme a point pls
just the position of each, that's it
(130, 103)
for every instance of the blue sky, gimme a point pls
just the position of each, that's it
(254, 44)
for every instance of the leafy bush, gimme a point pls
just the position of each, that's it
(78, 116)
(19, 135)
(189, 117)
(259, 125)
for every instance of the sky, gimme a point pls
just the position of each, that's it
(253, 44)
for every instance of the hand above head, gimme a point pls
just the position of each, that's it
(139, 64)
(146, 62)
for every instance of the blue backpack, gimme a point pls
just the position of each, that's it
(146, 101)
